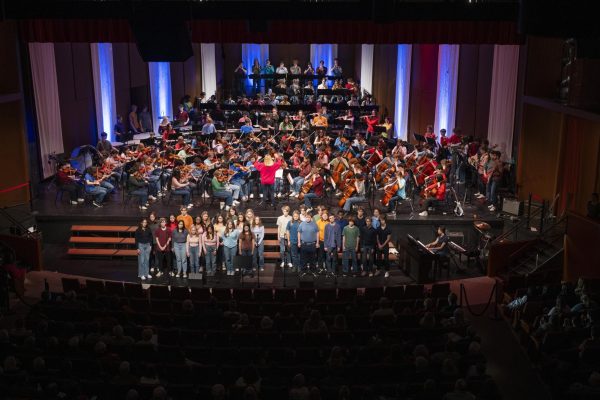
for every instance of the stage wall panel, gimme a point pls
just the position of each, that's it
(423, 87)
(384, 77)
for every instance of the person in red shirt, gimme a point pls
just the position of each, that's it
(435, 192)
(371, 121)
(316, 190)
(163, 247)
(180, 143)
(429, 133)
(68, 184)
(267, 170)
(182, 116)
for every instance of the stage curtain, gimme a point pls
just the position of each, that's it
(104, 87)
(284, 31)
(366, 67)
(447, 84)
(501, 123)
(403, 67)
(209, 69)
(47, 104)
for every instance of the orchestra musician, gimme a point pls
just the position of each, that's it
(336, 70)
(220, 190)
(400, 193)
(359, 193)
(104, 144)
(320, 120)
(256, 72)
(182, 116)
(295, 68)
(440, 245)
(65, 179)
(371, 121)
(92, 186)
(434, 193)
(321, 69)
(267, 169)
(494, 172)
(138, 187)
(268, 69)
(316, 188)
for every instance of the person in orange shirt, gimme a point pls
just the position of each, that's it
(187, 219)
(320, 121)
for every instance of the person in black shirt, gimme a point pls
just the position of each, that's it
(359, 221)
(368, 235)
(143, 242)
(382, 250)
(440, 245)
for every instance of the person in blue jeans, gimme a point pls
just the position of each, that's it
(143, 243)
(291, 232)
(210, 244)
(139, 189)
(282, 223)
(179, 237)
(193, 247)
(92, 186)
(181, 188)
(350, 240)
(332, 244)
(219, 190)
(230, 245)
(247, 246)
(258, 231)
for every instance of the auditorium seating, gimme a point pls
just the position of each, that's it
(193, 339)
(557, 334)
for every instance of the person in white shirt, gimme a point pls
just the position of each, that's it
(282, 223)
(281, 69)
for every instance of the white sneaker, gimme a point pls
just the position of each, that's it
(172, 273)
(492, 209)
(237, 270)
(282, 264)
(143, 278)
(245, 198)
(159, 274)
(260, 195)
(251, 195)
(262, 270)
(74, 203)
(96, 204)
(221, 205)
(206, 195)
(190, 205)
(290, 265)
(184, 275)
(227, 208)
(151, 198)
(143, 208)
(423, 213)
(80, 200)
(149, 277)
(152, 270)
(159, 194)
(236, 203)
(387, 274)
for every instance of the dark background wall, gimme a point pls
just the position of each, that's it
(423, 87)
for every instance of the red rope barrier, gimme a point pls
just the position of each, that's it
(13, 188)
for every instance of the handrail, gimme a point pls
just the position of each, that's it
(15, 222)
(516, 227)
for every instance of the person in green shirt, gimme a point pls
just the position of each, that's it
(219, 190)
(350, 240)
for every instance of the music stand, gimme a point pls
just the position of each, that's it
(240, 262)
(431, 142)
(419, 138)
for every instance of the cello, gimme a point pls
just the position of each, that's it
(349, 190)
(308, 181)
(390, 191)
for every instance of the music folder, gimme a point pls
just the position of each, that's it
(419, 138)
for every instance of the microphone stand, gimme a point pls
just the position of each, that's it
(290, 253)
(257, 265)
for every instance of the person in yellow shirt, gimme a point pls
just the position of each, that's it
(321, 223)
(319, 121)
(187, 219)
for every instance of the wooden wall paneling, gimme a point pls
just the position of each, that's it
(581, 248)
(9, 78)
(139, 81)
(13, 153)
(468, 68)
(122, 68)
(231, 55)
(484, 90)
(347, 56)
(543, 66)
(357, 61)
(287, 53)
(588, 179)
(538, 165)
(384, 77)
(76, 94)
(192, 73)
(177, 84)
(423, 88)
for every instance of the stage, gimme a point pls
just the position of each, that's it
(55, 219)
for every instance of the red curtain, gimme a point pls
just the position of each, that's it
(572, 164)
(237, 31)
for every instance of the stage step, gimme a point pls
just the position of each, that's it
(103, 228)
(88, 252)
(102, 240)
